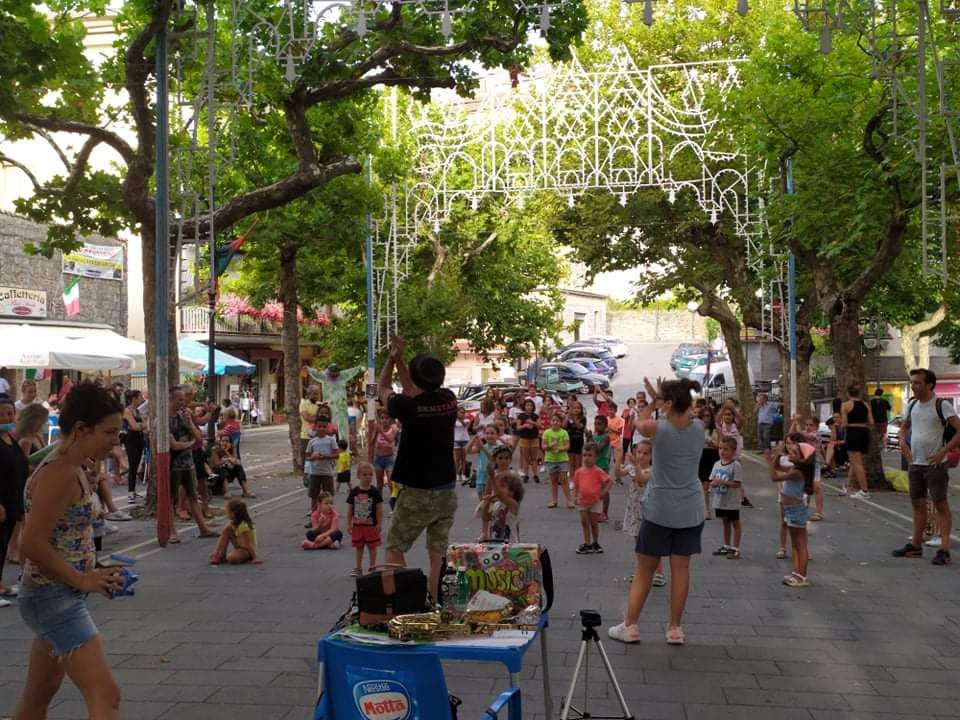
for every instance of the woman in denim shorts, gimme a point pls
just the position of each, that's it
(59, 559)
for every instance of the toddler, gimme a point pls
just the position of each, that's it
(364, 517)
(590, 484)
(502, 516)
(325, 531)
(635, 471)
(726, 481)
(238, 532)
(343, 465)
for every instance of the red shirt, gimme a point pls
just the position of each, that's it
(590, 484)
(602, 409)
(230, 427)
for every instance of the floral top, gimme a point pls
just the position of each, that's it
(72, 536)
(633, 511)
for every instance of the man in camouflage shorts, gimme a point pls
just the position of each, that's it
(424, 465)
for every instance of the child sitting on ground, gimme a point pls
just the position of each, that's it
(590, 485)
(501, 517)
(726, 481)
(325, 532)
(343, 465)
(238, 532)
(364, 517)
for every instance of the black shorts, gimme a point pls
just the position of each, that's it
(727, 514)
(931, 479)
(659, 541)
(343, 477)
(318, 484)
(858, 439)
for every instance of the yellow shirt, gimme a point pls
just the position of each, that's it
(343, 461)
(306, 406)
(250, 541)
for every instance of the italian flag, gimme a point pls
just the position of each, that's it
(71, 298)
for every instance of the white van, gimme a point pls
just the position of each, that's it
(719, 384)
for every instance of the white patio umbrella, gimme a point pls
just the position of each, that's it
(22, 348)
(119, 345)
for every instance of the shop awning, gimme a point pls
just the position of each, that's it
(224, 363)
(101, 341)
(29, 346)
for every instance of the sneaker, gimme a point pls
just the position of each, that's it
(722, 550)
(860, 495)
(119, 516)
(111, 529)
(596, 548)
(585, 549)
(908, 551)
(942, 557)
(659, 580)
(733, 554)
(5, 603)
(796, 580)
(625, 633)
(133, 497)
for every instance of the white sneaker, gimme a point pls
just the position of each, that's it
(933, 542)
(625, 633)
(5, 603)
(111, 529)
(120, 516)
(860, 495)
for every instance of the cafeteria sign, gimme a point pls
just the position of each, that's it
(104, 262)
(19, 302)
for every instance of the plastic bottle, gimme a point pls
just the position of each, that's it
(463, 589)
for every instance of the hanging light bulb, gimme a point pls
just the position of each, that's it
(361, 23)
(446, 24)
(474, 202)
(291, 69)
(742, 7)
(545, 19)
(623, 199)
(672, 195)
(570, 201)
(826, 39)
(713, 216)
(648, 12)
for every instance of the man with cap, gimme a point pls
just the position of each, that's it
(334, 383)
(424, 465)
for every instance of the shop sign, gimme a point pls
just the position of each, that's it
(19, 302)
(104, 262)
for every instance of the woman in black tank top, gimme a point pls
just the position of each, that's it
(857, 421)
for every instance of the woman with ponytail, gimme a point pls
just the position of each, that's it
(673, 510)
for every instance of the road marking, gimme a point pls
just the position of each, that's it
(871, 503)
(131, 548)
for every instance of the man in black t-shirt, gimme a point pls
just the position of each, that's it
(424, 465)
(880, 407)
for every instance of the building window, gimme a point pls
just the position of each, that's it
(578, 320)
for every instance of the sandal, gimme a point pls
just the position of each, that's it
(782, 554)
(675, 636)
(816, 517)
(796, 580)
(551, 505)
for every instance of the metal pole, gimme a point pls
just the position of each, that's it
(161, 269)
(792, 307)
(211, 65)
(371, 329)
(922, 127)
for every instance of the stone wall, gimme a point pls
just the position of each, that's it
(656, 325)
(101, 301)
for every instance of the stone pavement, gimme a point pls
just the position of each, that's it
(873, 637)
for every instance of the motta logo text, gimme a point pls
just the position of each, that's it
(382, 700)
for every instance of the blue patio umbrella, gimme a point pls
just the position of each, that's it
(224, 363)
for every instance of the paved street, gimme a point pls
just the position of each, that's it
(872, 637)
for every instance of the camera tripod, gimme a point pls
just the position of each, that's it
(590, 619)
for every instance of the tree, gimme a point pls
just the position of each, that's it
(48, 86)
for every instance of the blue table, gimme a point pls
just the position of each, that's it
(512, 657)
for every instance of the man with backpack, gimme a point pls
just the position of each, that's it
(932, 426)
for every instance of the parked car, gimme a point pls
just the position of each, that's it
(549, 378)
(684, 349)
(597, 367)
(592, 352)
(615, 345)
(690, 364)
(893, 431)
(575, 372)
(472, 389)
(719, 383)
(511, 394)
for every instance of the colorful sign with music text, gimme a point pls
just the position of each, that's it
(382, 700)
(104, 262)
(511, 571)
(20, 302)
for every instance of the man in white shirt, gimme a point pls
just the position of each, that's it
(28, 394)
(927, 418)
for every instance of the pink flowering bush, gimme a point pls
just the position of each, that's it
(232, 306)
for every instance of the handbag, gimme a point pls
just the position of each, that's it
(384, 594)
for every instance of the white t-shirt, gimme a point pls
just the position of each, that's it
(20, 404)
(926, 430)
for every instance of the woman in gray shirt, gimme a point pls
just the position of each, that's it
(673, 509)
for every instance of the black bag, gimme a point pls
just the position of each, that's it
(384, 594)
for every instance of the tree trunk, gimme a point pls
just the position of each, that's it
(848, 364)
(741, 377)
(290, 340)
(804, 355)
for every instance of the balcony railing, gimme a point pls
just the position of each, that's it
(194, 318)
